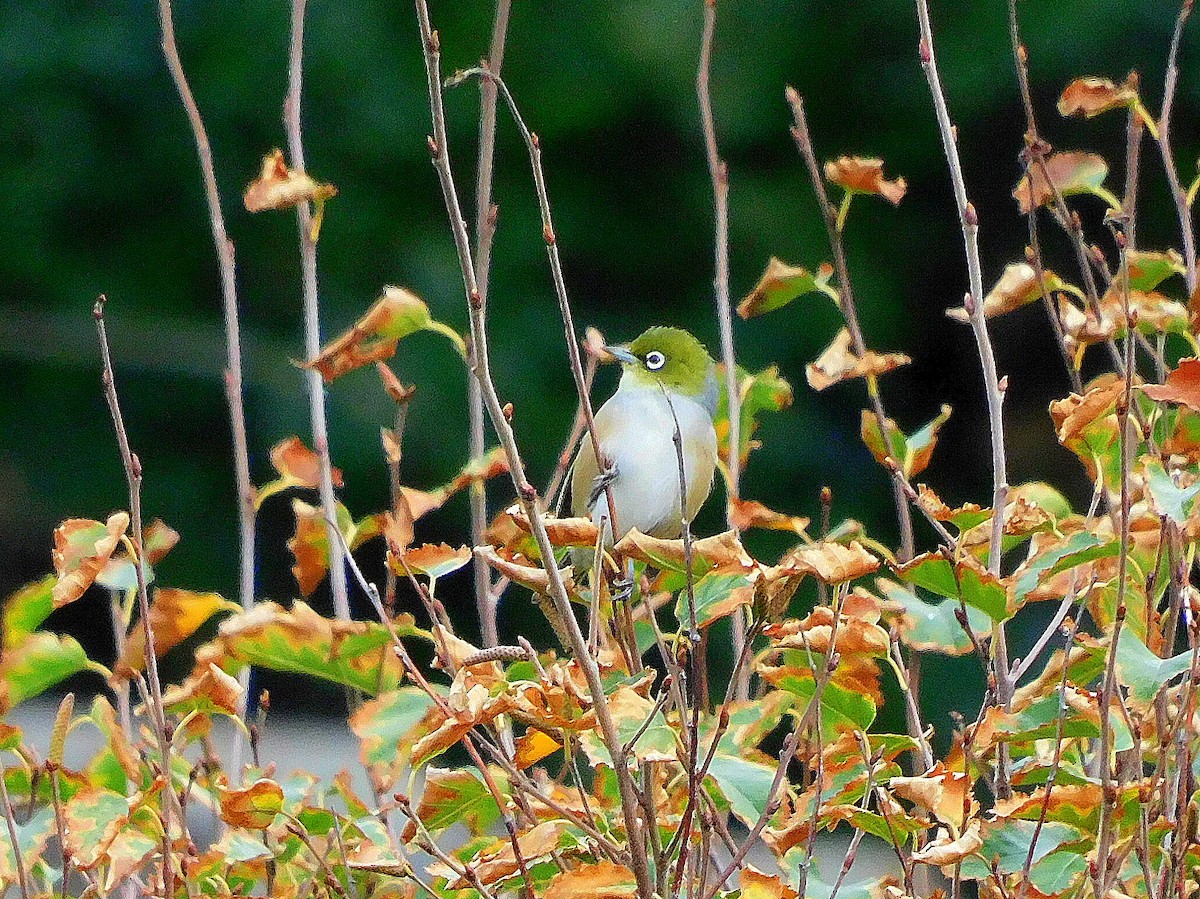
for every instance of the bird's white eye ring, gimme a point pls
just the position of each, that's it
(655, 360)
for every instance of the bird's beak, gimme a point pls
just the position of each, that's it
(621, 354)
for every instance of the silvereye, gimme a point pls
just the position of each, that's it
(636, 432)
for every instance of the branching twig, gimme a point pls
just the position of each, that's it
(133, 477)
(525, 490)
(974, 305)
(312, 312)
(14, 839)
(804, 144)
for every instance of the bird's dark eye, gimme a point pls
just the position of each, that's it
(655, 360)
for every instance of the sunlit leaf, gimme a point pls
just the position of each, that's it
(436, 560)
(1018, 286)
(838, 362)
(630, 711)
(297, 466)
(865, 176)
(254, 806)
(532, 747)
(1071, 173)
(454, 797)
(500, 862)
(81, 549)
(944, 850)
(603, 880)
(746, 514)
(756, 885)
(1092, 96)
(716, 596)
(279, 187)
(208, 690)
(1054, 556)
(92, 819)
(398, 313)
(781, 283)
(174, 616)
(831, 563)
(26, 609)
(36, 664)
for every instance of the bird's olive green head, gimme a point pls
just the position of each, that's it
(668, 356)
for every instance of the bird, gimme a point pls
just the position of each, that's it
(664, 370)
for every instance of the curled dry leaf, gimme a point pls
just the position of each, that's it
(1018, 286)
(421, 502)
(392, 385)
(297, 466)
(865, 176)
(718, 551)
(940, 791)
(748, 513)
(208, 689)
(532, 747)
(830, 563)
(596, 346)
(944, 851)
(839, 363)
(279, 187)
(395, 315)
(433, 560)
(1092, 96)
(855, 636)
(310, 547)
(253, 807)
(781, 283)
(603, 880)
(1071, 173)
(1074, 413)
(82, 548)
(521, 571)
(562, 531)
(756, 885)
(498, 861)
(1182, 386)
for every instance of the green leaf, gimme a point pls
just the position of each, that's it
(457, 796)
(39, 662)
(744, 783)
(387, 727)
(763, 392)
(1149, 268)
(1177, 503)
(716, 595)
(921, 444)
(1077, 549)
(1143, 672)
(1008, 844)
(781, 283)
(841, 709)
(933, 626)
(235, 846)
(26, 609)
(32, 837)
(91, 817)
(974, 585)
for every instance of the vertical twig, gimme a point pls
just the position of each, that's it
(1182, 208)
(718, 172)
(804, 144)
(13, 835)
(974, 305)
(133, 477)
(485, 229)
(233, 341)
(312, 313)
(526, 492)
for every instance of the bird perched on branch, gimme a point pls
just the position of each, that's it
(664, 370)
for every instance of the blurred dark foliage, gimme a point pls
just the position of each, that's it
(102, 194)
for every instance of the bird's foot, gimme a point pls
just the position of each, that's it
(622, 589)
(600, 483)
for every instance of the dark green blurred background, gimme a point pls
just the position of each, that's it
(102, 193)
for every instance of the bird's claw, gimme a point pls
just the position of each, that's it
(600, 483)
(622, 589)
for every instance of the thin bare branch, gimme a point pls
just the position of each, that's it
(1178, 192)
(312, 312)
(526, 492)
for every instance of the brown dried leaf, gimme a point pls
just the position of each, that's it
(532, 747)
(1074, 413)
(1182, 385)
(421, 502)
(831, 563)
(279, 187)
(395, 315)
(1092, 96)
(82, 548)
(940, 791)
(434, 560)
(1071, 173)
(865, 176)
(498, 862)
(781, 283)
(603, 880)
(253, 807)
(748, 513)
(174, 616)
(523, 572)
(206, 687)
(562, 531)
(391, 384)
(945, 851)
(756, 885)
(310, 546)
(1017, 287)
(707, 552)
(838, 363)
(299, 465)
